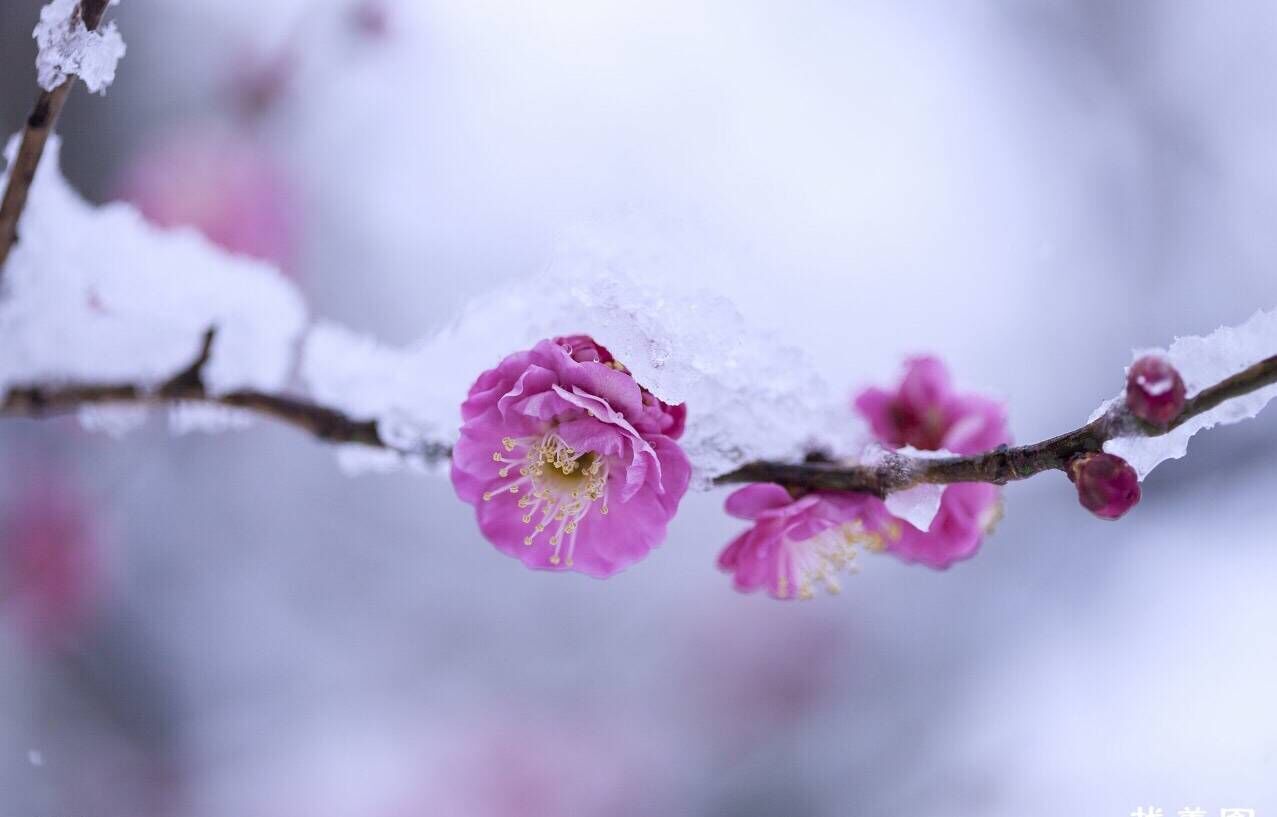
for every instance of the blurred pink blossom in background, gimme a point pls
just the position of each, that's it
(50, 559)
(516, 766)
(226, 184)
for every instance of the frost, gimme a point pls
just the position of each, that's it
(186, 416)
(114, 421)
(1203, 361)
(67, 47)
(96, 294)
(750, 396)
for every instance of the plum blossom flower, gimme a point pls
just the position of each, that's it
(925, 412)
(225, 185)
(570, 464)
(800, 544)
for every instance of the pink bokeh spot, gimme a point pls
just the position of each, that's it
(50, 564)
(227, 186)
(570, 464)
(925, 412)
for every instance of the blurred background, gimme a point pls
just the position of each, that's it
(228, 625)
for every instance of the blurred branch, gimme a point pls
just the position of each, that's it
(187, 386)
(44, 116)
(1005, 463)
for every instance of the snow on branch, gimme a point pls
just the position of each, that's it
(70, 44)
(114, 331)
(1203, 361)
(1238, 396)
(109, 334)
(95, 294)
(100, 65)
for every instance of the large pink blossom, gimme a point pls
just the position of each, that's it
(799, 545)
(569, 463)
(225, 185)
(926, 413)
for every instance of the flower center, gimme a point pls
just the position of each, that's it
(819, 559)
(924, 430)
(564, 485)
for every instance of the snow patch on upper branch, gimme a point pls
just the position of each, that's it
(96, 294)
(749, 396)
(1204, 361)
(67, 47)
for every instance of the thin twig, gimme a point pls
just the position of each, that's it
(43, 118)
(1003, 464)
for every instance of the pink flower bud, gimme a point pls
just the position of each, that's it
(1154, 390)
(1107, 486)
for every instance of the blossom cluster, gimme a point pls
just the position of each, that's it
(571, 464)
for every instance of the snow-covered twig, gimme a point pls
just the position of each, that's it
(893, 473)
(187, 386)
(48, 107)
(1007, 463)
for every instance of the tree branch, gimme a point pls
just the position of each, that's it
(187, 386)
(1005, 463)
(43, 118)
(894, 473)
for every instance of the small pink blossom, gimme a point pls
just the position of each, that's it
(49, 563)
(226, 186)
(926, 413)
(570, 464)
(800, 544)
(737, 659)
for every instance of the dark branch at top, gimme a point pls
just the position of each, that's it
(1002, 465)
(44, 116)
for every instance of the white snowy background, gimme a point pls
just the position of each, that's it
(1029, 189)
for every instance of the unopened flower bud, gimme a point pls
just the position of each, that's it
(1107, 485)
(1154, 390)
